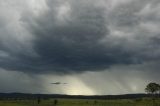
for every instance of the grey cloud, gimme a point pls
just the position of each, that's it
(76, 44)
(76, 36)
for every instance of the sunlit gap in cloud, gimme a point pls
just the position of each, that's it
(78, 87)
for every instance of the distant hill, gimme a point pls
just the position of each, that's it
(46, 96)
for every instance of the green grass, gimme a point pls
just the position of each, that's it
(82, 102)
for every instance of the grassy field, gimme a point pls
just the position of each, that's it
(82, 102)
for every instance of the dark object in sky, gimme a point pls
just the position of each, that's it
(57, 83)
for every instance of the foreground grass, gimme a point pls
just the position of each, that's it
(82, 102)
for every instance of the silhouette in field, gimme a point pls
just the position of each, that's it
(55, 102)
(39, 100)
(95, 102)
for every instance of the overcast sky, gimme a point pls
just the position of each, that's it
(94, 46)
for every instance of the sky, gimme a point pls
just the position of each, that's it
(79, 47)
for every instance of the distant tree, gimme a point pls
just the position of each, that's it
(55, 102)
(39, 100)
(95, 102)
(152, 88)
(86, 102)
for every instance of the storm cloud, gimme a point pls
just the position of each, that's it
(68, 36)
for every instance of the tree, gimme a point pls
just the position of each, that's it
(152, 88)
(55, 102)
(159, 89)
(38, 99)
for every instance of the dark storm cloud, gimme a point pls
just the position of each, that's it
(77, 36)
